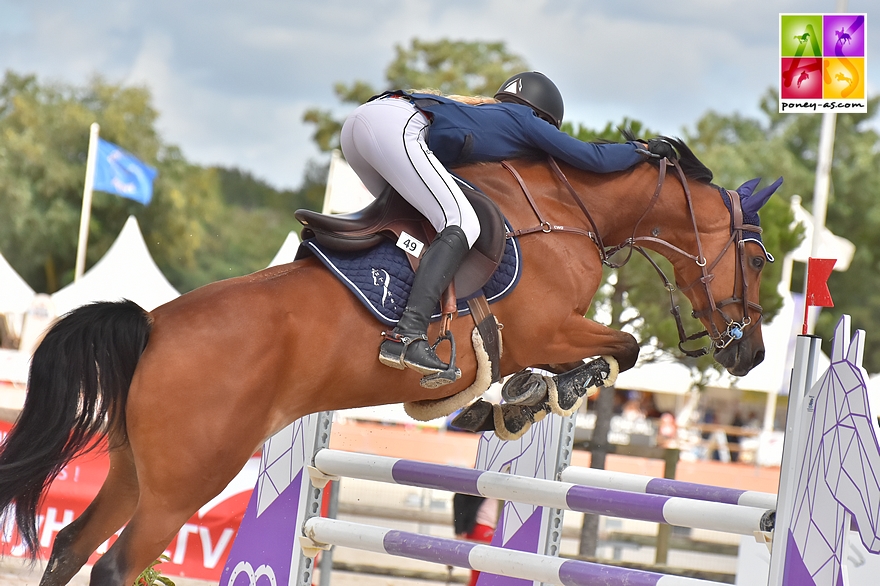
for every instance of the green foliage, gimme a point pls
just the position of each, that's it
(248, 227)
(44, 131)
(194, 227)
(152, 576)
(453, 67)
(474, 68)
(611, 132)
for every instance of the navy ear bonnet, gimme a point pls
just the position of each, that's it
(751, 203)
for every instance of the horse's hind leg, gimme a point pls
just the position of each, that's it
(169, 497)
(143, 540)
(112, 507)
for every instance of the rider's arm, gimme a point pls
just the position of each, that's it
(596, 157)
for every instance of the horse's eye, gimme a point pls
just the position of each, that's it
(757, 262)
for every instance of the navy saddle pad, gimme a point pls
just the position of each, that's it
(382, 277)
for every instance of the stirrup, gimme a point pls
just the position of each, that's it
(444, 377)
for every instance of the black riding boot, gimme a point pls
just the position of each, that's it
(407, 345)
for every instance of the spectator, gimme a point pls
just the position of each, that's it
(474, 518)
(668, 431)
(733, 438)
(632, 409)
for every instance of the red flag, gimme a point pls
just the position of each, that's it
(818, 295)
(818, 271)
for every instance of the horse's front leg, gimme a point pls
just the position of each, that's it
(579, 338)
(530, 396)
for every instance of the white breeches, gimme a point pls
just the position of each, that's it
(384, 141)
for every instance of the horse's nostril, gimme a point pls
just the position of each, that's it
(759, 358)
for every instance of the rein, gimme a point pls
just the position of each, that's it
(734, 330)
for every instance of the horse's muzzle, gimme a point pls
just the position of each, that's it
(740, 357)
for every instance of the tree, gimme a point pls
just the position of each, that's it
(450, 67)
(42, 169)
(203, 224)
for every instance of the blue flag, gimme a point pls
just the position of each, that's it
(118, 171)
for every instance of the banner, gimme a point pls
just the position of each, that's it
(200, 548)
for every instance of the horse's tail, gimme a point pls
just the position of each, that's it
(77, 391)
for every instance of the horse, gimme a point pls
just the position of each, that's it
(802, 77)
(186, 393)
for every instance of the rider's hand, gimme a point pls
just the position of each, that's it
(660, 148)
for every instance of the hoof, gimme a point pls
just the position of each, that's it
(512, 421)
(475, 417)
(524, 388)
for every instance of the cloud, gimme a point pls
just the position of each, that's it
(231, 80)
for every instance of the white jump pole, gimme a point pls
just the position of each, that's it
(484, 558)
(666, 487)
(548, 493)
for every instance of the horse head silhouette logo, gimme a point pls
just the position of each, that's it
(381, 279)
(838, 478)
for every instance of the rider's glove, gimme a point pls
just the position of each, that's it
(660, 148)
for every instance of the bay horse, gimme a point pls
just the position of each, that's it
(186, 393)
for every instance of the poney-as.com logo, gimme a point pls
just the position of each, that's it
(822, 62)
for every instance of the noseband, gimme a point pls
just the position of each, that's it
(735, 330)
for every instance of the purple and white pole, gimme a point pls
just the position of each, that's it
(547, 493)
(483, 558)
(667, 487)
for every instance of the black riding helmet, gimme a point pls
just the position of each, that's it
(535, 90)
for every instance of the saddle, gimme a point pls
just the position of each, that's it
(389, 215)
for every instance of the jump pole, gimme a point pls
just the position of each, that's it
(334, 464)
(484, 558)
(666, 487)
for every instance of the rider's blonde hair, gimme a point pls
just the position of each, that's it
(471, 100)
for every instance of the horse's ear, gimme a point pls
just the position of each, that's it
(746, 189)
(751, 203)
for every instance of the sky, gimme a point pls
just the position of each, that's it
(231, 80)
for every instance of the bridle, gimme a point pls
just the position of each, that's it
(735, 330)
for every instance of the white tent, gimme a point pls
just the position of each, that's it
(664, 374)
(287, 251)
(126, 271)
(15, 294)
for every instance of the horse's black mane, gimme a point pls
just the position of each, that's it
(692, 166)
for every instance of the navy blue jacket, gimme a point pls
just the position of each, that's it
(460, 133)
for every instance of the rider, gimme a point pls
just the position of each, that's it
(406, 139)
